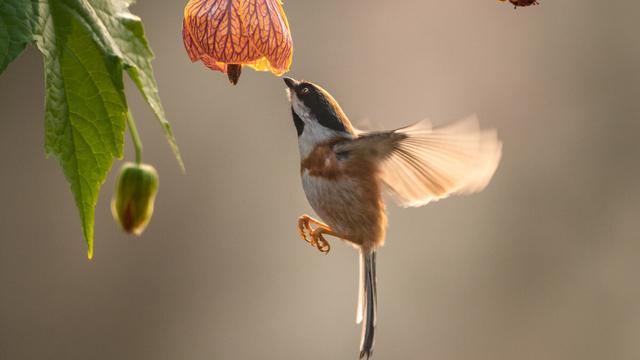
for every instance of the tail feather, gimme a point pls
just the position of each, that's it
(367, 302)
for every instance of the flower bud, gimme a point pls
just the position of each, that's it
(132, 204)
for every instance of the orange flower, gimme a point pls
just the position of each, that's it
(227, 34)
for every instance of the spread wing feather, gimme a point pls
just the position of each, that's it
(420, 164)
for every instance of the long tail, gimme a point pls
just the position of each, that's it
(367, 302)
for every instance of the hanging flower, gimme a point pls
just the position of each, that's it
(228, 34)
(517, 3)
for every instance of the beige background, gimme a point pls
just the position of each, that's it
(544, 264)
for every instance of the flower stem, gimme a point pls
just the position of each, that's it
(137, 144)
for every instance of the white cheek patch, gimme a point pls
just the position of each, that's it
(300, 108)
(313, 133)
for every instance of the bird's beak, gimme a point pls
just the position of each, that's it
(291, 83)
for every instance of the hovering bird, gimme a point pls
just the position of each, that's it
(344, 172)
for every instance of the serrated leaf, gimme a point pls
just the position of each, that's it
(129, 43)
(86, 46)
(16, 28)
(85, 112)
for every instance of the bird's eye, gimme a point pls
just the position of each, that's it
(304, 91)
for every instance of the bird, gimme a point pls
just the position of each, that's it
(345, 172)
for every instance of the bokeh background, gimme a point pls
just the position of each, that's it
(543, 264)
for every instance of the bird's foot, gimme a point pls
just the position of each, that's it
(314, 236)
(304, 229)
(320, 242)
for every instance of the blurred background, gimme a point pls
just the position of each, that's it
(541, 265)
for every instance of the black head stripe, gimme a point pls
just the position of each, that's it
(323, 106)
(297, 122)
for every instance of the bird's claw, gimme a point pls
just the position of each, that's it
(321, 244)
(311, 236)
(305, 231)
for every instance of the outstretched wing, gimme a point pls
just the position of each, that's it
(423, 164)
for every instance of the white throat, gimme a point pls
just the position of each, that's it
(313, 133)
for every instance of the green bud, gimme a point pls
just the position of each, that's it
(132, 204)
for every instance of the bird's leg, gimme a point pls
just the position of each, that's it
(314, 237)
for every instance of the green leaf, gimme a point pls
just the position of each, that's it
(85, 111)
(16, 28)
(86, 46)
(128, 34)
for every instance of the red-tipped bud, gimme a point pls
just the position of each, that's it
(132, 204)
